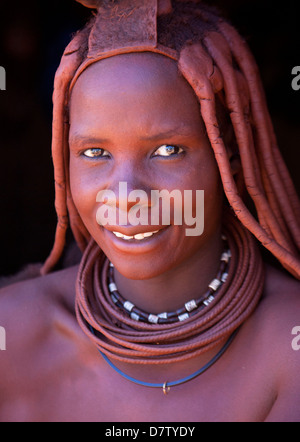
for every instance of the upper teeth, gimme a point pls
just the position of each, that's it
(139, 236)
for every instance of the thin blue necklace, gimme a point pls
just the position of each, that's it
(166, 386)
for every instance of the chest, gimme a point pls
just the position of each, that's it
(79, 389)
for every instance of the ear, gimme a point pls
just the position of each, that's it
(237, 171)
(232, 149)
(235, 163)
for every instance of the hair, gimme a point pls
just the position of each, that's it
(217, 63)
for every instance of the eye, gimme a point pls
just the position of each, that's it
(167, 150)
(96, 152)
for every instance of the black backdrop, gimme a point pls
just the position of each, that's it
(32, 38)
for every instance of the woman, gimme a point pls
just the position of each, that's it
(187, 328)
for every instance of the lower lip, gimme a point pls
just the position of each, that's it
(135, 245)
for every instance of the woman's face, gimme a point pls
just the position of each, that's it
(134, 120)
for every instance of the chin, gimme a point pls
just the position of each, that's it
(140, 268)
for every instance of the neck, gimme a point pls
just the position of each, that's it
(171, 290)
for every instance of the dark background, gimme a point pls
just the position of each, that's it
(33, 36)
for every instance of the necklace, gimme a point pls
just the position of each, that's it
(189, 308)
(166, 386)
(122, 338)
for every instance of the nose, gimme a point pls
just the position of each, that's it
(125, 195)
(126, 188)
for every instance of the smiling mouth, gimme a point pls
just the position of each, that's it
(138, 236)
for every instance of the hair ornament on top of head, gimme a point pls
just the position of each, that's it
(123, 26)
(217, 63)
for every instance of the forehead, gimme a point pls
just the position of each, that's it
(148, 61)
(140, 68)
(131, 72)
(144, 87)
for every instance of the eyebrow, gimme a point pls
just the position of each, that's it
(178, 131)
(79, 139)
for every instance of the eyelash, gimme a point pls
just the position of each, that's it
(95, 149)
(101, 151)
(172, 154)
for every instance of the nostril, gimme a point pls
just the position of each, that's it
(140, 198)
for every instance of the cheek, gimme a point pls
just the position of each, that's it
(203, 174)
(84, 188)
(206, 177)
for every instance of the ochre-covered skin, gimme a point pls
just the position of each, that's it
(51, 371)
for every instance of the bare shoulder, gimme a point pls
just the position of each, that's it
(277, 321)
(32, 294)
(281, 300)
(27, 312)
